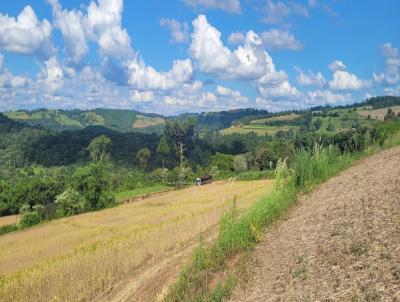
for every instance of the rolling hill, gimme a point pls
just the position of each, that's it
(115, 119)
(125, 120)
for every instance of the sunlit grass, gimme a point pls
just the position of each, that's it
(76, 258)
(121, 196)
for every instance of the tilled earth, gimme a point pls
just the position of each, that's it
(340, 243)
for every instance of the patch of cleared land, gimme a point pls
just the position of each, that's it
(258, 129)
(6, 220)
(340, 243)
(287, 117)
(378, 114)
(126, 253)
(144, 121)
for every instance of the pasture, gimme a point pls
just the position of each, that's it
(259, 129)
(377, 114)
(94, 256)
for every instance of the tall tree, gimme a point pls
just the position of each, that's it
(99, 148)
(179, 133)
(163, 149)
(143, 156)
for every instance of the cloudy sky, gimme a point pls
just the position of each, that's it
(197, 55)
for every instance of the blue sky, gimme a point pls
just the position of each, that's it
(197, 55)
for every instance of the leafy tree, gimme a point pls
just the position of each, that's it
(92, 183)
(99, 147)
(179, 133)
(318, 124)
(240, 163)
(70, 202)
(390, 115)
(224, 162)
(143, 156)
(163, 149)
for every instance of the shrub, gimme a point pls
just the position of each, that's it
(92, 182)
(70, 202)
(8, 228)
(224, 162)
(29, 218)
(240, 163)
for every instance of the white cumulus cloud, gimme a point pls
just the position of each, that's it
(326, 97)
(26, 34)
(247, 62)
(276, 39)
(337, 65)
(72, 29)
(310, 78)
(103, 24)
(391, 74)
(145, 77)
(179, 31)
(343, 80)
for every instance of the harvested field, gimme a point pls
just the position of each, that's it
(378, 114)
(6, 220)
(127, 253)
(287, 117)
(340, 243)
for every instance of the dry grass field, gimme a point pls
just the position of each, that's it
(144, 121)
(111, 254)
(378, 114)
(257, 129)
(6, 220)
(287, 117)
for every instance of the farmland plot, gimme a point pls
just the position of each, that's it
(130, 252)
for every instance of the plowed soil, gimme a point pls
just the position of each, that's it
(339, 243)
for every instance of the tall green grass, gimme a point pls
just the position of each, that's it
(240, 233)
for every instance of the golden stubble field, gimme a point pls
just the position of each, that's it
(6, 220)
(109, 255)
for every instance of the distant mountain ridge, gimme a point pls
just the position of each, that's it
(115, 119)
(125, 120)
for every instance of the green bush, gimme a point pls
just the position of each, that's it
(70, 202)
(224, 162)
(29, 218)
(92, 183)
(8, 228)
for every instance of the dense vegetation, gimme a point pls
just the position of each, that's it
(46, 174)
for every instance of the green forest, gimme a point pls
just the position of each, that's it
(56, 163)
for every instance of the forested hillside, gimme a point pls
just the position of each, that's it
(38, 163)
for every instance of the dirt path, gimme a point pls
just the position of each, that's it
(151, 283)
(340, 243)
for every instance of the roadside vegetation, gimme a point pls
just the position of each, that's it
(212, 273)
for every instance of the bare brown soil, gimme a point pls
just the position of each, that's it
(340, 243)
